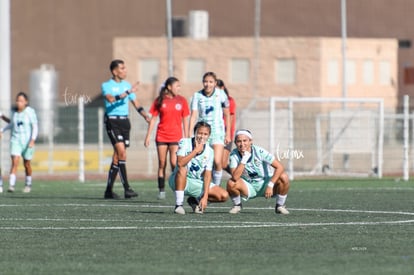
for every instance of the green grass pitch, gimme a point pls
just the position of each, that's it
(344, 226)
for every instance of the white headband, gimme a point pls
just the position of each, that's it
(244, 132)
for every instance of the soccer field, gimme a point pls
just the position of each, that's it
(335, 227)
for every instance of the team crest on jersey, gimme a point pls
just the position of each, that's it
(178, 106)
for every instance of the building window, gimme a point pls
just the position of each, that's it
(384, 73)
(368, 72)
(195, 68)
(286, 71)
(350, 72)
(149, 70)
(333, 72)
(240, 70)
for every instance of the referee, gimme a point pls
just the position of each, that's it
(117, 92)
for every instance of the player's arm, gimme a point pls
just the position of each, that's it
(140, 110)
(149, 130)
(238, 171)
(193, 117)
(184, 160)
(185, 126)
(226, 114)
(206, 188)
(3, 117)
(278, 171)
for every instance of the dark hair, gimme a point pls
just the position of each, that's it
(210, 74)
(220, 84)
(202, 124)
(164, 89)
(23, 94)
(115, 63)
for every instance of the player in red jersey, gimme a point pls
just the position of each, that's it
(173, 112)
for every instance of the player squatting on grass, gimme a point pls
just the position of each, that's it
(251, 174)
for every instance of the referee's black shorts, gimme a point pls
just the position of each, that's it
(118, 128)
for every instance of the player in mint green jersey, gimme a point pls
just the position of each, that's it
(192, 175)
(211, 105)
(255, 173)
(24, 130)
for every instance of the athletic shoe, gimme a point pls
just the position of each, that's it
(179, 209)
(27, 189)
(1, 189)
(110, 195)
(129, 193)
(281, 209)
(161, 196)
(236, 209)
(11, 189)
(194, 203)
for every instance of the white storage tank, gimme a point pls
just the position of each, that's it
(198, 24)
(43, 98)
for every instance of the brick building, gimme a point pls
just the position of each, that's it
(77, 36)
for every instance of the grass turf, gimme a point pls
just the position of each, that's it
(335, 227)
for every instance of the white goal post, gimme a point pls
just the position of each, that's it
(312, 134)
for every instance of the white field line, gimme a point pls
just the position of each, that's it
(195, 224)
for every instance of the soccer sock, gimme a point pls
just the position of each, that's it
(123, 174)
(12, 180)
(161, 184)
(236, 200)
(281, 199)
(179, 197)
(28, 180)
(113, 172)
(217, 175)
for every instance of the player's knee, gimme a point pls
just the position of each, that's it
(231, 185)
(284, 182)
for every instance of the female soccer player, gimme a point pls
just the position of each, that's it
(192, 175)
(173, 112)
(24, 130)
(250, 167)
(210, 105)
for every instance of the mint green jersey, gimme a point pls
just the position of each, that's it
(210, 109)
(24, 126)
(197, 165)
(258, 168)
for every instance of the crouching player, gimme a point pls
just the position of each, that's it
(250, 167)
(193, 174)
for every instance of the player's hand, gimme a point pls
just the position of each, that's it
(203, 203)
(268, 192)
(147, 142)
(246, 156)
(31, 143)
(134, 88)
(227, 140)
(199, 142)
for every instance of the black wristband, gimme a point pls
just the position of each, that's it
(140, 109)
(117, 97)
(127, 92)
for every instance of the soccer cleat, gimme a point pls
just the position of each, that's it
(1, 189)
(161, 196)
(11, 189)
(194, 203)
(236, 209)
(281, 209)
(129, 193)
(179, 209)
(110, 195)
(27, 189)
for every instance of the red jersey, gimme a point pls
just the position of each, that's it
(232, 111)
(172, 111)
